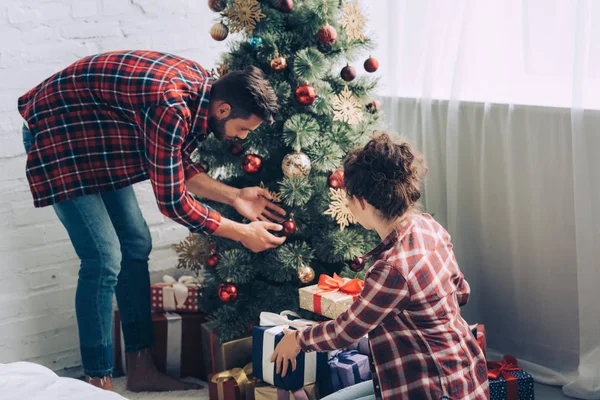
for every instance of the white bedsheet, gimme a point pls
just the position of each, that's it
(28, 381)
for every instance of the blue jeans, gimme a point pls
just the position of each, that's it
(113, 242)
(361, 391)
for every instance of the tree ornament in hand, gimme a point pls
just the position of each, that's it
(219, 31)
(296, 164)
(327, 34)
(285, 6)
(289, 226)
(371, 64)
(306, 94)
(227, 292)
(252, 164)
(336, 179)
(217, 5)
(279, 63)
(348, 73)
(236, 148)
(212, 260)
(306, 274)
(358, 264)
(374, 106)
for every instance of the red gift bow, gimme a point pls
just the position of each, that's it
(497, 369)
(333, 284)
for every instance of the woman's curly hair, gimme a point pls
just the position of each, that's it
(386, 174)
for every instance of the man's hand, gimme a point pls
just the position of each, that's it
(254, 203)
(257, 237)
(286, 351)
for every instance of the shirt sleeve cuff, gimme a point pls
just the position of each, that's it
(210, 224)
(192, 170)
(303, 339)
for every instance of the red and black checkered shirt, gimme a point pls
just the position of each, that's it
(114, 119)
(421, 347)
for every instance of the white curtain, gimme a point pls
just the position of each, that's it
(503, 98)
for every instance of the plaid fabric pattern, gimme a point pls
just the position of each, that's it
(113, 119)
(420, 346)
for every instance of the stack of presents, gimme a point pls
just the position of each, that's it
(188, 345)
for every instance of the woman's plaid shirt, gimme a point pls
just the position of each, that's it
(421, 347)
(114, 119)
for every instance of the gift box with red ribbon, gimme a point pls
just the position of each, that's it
(331, 296)
(508, 381)
(175, 295)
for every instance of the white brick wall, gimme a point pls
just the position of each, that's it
(37, 263)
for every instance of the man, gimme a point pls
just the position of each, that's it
(107, 122)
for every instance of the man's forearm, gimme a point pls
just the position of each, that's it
(231, 230)
(206, 187)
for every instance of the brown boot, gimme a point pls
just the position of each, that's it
(102, 383)
(142, 375)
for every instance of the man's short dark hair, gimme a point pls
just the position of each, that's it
(247, 92)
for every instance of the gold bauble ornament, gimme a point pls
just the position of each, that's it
(219, 31)
(306, 274)
(279, 63)
(296, 164)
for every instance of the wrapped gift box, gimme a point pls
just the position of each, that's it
(234, 384)
(331, 296)
(176, 351)
(348, 368)
(175, 295)
(221, 356)
(264, 340)
(263, 391)
(508, 381)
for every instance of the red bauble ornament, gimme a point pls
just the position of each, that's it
(336, 179)
(305, 94)
(212, 260)
(227, 292)
(358, 264)
(371, 64)
(327, 34)
(374, 106)
(252, 164)
(217, 5)
(236, 148)
(285, 6)
(289, 227)
(348, 73)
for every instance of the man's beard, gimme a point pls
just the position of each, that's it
(217, 127)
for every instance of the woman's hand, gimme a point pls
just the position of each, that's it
(287, 350)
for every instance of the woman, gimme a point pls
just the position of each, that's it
(421, 347)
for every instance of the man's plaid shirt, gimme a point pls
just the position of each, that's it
(421, 348)
(114, 119)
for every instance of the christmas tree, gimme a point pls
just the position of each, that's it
(306, 49)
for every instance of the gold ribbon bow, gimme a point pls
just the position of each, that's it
(240, 375)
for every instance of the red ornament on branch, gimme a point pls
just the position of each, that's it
(227, 292)
(217, 5)
(374, 106)
(336, 179)
(285, 6)
(252, 164)
(289, 226)
(305, 94)
(371, 64)
(327, 34)
(348, 73)
(212, 260)
(358, 264)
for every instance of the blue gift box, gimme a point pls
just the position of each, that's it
(310, 367)
(348, 368)
(498, 388)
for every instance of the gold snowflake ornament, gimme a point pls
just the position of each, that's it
(243, 15)
(191, 252)
(339, 209)
(347, 108)
(275, 195)
(353, 21)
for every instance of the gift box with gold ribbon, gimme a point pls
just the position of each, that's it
(263, 391)
(331, 296)
(234, 384)
(508, 381)
(172, 294)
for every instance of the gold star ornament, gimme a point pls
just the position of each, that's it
(346, 107)
(353, 21)
(339, 209)
(243, 15)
